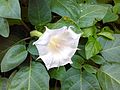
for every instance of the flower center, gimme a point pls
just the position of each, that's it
(54, 44)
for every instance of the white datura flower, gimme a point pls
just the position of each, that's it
(57, 46)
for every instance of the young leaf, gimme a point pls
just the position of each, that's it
(39, 12)
(116, 8)
(33, 77)
(109, 77)
(32, 49)
(98, 59)
(4, 27)
(77, 62)
(106, 34)
(111, 49)
(116, 1)
(89, 68)
(82, 51)
(89, 31)
(57, 73)
(14, 57)
(75, 80)
(92, 47)
(10, 9)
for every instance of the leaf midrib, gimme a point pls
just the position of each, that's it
(87, 14)
(78, 81)
(110, 49)
(29, 77)
(65, 8)
(111, 77)
(9, 7)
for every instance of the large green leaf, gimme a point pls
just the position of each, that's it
(109, 77)
(90, 14)
(75, 80)
(92, 47)
(10, 9)
(39, 12)
(33, 77)
(14, 37)
(84, 15)
(14, 57)
(111, 48)
(4, 27)
(65, 21)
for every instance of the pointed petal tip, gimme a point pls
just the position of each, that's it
(78, 49)
(70, 27)
(33, 43)
(46, 28)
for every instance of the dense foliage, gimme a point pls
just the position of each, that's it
(96, 66)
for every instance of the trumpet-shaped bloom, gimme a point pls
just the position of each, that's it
(57, 46)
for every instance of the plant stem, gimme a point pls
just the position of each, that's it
(28, 29)
(56, 85)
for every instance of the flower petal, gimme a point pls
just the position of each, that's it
(42, 50)
(73, 34)
(54, 60)
(45, 38)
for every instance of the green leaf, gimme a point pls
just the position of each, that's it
(116, 8)
(77, 62)
(14, 57)
(39, 12)
(106, 34)
(82, 51)
(4, 27)
(33, 77)
(89, 68)
(103, 1)
(98, 59)
(14, 37)
(110, 16)
(65, 21)
(57, 73)
(109, 77)
(89, 31)
(90, 14)
(116, 1)
(107, 29)
(32, 49)
(111, 49)
(86, 1)
(75, 80)
(84, 15)
(10, 9)
(92, 47)
(3, 83)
